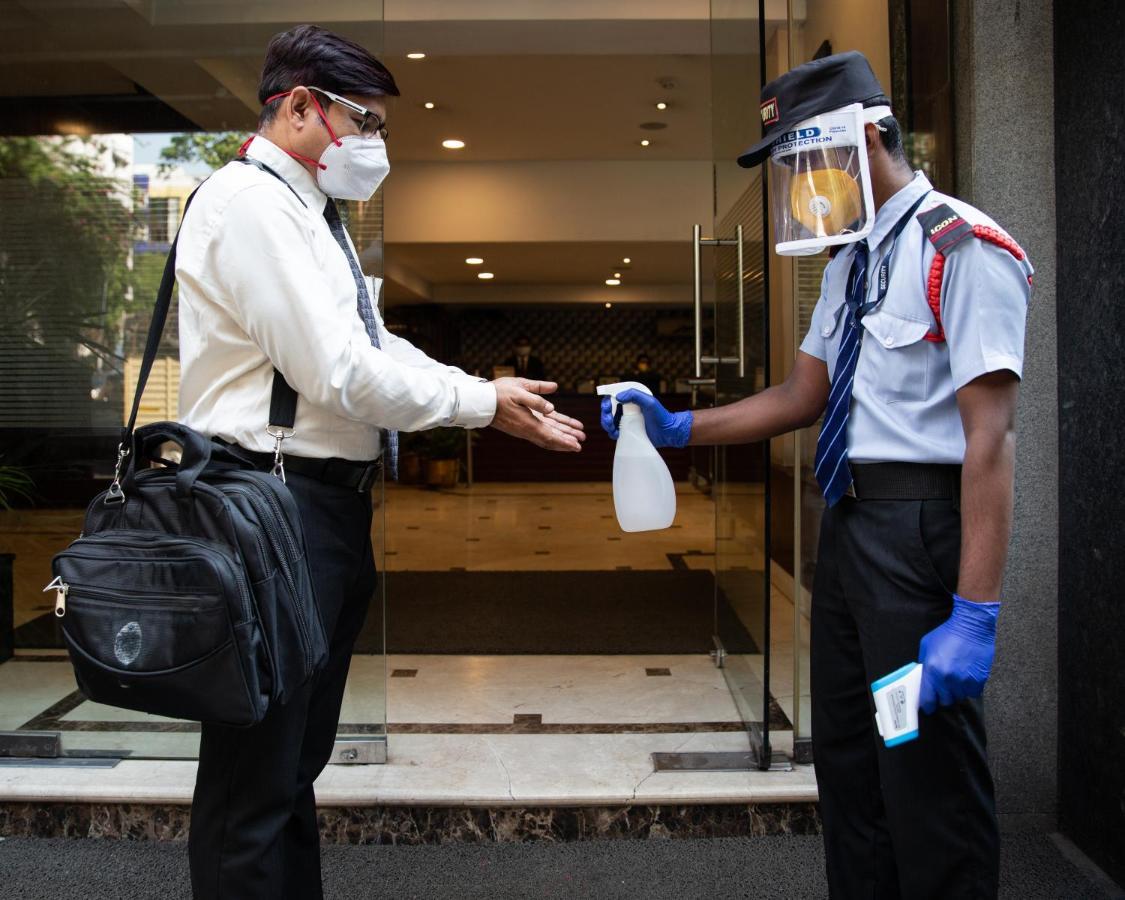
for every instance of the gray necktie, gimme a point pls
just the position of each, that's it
(365, 309)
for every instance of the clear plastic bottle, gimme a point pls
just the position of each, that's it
(644, 495)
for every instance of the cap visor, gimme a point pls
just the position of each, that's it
(754, 154)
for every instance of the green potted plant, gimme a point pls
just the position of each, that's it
(14, 483)
(442, 450)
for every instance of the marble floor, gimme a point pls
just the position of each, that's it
(478, 728)
(516, 527)
(462, 730)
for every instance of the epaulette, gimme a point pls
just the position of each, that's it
(945, 229)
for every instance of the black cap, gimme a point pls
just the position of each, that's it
(809, 90)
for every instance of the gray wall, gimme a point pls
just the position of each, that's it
(1090, 129)
(1005, 135)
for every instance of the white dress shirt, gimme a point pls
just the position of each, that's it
(904, 398)
(264, 284)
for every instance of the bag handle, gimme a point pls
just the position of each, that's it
(283, 399)
(195, 453)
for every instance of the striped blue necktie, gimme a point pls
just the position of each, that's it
(365, 310)
(832, 472)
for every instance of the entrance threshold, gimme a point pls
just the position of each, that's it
(435, 770)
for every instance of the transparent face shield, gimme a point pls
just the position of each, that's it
(820, 182)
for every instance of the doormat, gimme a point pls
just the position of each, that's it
(573, 613)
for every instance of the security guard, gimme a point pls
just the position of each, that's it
(913, 360)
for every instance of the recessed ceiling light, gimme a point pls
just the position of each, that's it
(626, 260)
(616, 274)
(645, 142)
(609, 306)
(485, 276)
(661, 105)
(613, 282)
(453, 144)
(474, 261)
(429, 104)
(416, 55)
(76, 128)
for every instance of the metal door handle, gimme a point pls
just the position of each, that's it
(741, 305)
(717, 360)
(697, 284)
(697, 242)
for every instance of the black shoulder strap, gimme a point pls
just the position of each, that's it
(283, 399)
(155, 330)
(944, 228)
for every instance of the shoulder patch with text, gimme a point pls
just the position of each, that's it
(944, 228)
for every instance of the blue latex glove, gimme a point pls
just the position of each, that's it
(665, 429)
(957, 655)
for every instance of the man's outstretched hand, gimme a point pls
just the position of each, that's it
(523, 412)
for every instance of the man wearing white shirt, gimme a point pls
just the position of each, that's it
(270, 282)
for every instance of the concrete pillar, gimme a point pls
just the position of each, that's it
(1004, 97)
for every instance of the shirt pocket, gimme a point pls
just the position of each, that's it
(903, 356)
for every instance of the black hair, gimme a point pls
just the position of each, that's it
(523, 339)
(643, 357)
(313, 56)
(890, 134)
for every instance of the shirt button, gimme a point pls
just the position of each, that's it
(889, 341)
(826, 330)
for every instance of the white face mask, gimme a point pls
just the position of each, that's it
(353, 168)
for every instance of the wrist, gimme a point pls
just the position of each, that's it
(979, 618)
(961, 598)
(685, 421)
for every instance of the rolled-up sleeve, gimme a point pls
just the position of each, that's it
(985, 294)
(286, 305)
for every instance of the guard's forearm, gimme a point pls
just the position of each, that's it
(774, 411)
(986, 513)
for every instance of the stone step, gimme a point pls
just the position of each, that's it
(438, 788)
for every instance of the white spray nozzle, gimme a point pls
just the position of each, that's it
(612, 390)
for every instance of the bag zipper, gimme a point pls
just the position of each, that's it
(212, 550)
(164, 601)
(60, 598)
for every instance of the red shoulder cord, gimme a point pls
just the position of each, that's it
(937, 271)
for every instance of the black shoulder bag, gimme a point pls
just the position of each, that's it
(188, 593)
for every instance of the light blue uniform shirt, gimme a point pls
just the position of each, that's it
(904, 405)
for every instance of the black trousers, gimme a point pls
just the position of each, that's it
(254, 830)
(917, 820)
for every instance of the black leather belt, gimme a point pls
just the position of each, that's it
(905, 481)
(348, 473)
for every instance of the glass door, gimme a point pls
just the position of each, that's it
(740, 367)
(117, 120)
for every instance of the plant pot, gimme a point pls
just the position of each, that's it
(7, 608)
(410, 469)
(443, 472)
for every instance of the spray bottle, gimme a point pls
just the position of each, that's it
(644, 495)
